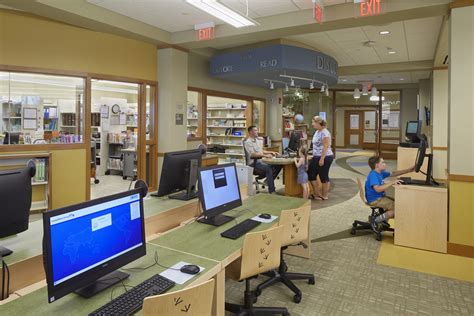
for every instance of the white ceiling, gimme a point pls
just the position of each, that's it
(387, 78)
(176, 15)
(412, 40)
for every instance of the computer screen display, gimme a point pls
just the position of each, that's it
(84, 242)
(86, 238)
(412, 127)
(220, 186)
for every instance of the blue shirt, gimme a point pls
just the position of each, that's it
(374, 178)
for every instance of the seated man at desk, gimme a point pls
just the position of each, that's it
(254, 150)
(375, 188)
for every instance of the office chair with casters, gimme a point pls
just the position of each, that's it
(193, 301)
(295, 225)
(376, 211)
(260, 253)
(259, 174)
(15, 194)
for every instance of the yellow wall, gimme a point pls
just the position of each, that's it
(31, 41)
(68, 177)
(461, 213)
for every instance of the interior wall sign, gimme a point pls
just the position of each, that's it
(370, 7)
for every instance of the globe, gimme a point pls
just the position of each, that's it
(299, 118)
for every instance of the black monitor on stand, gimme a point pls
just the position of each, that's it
(412, 131)
(218, 192)
(294, 142)
(179, 172)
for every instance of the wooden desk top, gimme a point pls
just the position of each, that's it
(278, 161)
(72, 304)
(209, 156)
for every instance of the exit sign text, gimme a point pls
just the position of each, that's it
(318, 13)
(370, 7)
(205, 34)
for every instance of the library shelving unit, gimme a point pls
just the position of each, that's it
(11, 117)
(227, 122)
(41, 186)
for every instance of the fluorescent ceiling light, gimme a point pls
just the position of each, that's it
(391, 52)
(374, 99)
(222, 12)
(384, 32)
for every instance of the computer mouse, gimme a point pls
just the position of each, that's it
(265, 216)
(190, 269)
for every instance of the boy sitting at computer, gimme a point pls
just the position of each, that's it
(375, 188)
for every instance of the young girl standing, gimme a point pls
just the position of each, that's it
(301, 164)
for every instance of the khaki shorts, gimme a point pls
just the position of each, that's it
(385, 203)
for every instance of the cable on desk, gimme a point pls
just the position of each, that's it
(7, 270)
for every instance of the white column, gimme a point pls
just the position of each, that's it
(439, 121)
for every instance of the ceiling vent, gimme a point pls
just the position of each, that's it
(369, 43)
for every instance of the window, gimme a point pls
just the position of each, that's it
(194, 115)
(41, 109)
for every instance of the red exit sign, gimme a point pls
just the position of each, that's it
(370, 7)
(318, 13)
(205, 34)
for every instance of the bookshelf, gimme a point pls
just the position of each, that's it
(227, 121)
(40, 183)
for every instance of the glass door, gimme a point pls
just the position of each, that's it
(389, 107)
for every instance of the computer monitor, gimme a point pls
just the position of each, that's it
(15, 197)
(420, 158)
(412, 131)
(218, 192)
(179, 172)
(84, 244)
(294, 143)
(11, 138)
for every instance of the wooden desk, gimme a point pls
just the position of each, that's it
(195, 243)
(292, 188)
(406, 159)
(209, 160)
(272, 148)
(421, 217)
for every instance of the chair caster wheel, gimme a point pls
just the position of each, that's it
(297, 299)
(378, 237)
(311, 281)
(255, 298)
(96, 181)
(257, 294)
(353, 231)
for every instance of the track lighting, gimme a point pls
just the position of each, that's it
(327, 91)
(311, 85)
(365, 90)
(322, 88)
(292, 82)
(356, 93)
(272, 86)
(374, 93)
(286, 88)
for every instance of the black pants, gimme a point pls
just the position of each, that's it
(271, 172)
(315, 169)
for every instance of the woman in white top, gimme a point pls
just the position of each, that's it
(322, 159)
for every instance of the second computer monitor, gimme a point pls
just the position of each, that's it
(179, 173)
(219, 192)
(412, 131)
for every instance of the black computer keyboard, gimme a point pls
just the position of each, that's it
(240, 229)
(132, 300)
(410, 181)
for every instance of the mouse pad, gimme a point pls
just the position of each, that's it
(177, 276)
(263, 220)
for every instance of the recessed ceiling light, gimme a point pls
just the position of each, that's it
(401, 79)
(384, 32)
(343, 80)
(391, 52)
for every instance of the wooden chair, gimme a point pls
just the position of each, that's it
(192, 301)
(295, 225)
(260, 253)
(376, 211)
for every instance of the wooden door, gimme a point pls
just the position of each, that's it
(353, 129)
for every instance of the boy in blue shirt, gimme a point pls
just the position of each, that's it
(375, 188)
